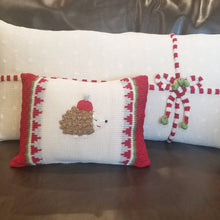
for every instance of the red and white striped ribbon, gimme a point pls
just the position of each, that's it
(4, 78)
(175, 56)
(177, 91)
(175, 121)
(170, 101)
(190, 90)
(7, 78)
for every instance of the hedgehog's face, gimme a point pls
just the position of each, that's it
(98, 123)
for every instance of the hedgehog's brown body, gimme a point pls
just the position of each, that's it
(77, 122)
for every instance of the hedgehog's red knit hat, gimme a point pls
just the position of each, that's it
(85, 104)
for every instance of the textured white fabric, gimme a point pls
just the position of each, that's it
(82, 54)
(94, 55)
(10, 110)
(104, 145)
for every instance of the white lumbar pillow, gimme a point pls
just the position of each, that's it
(105, 56)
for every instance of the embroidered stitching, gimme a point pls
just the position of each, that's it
(34, 149)
(77, 122)
(79, 119)
(128, 127)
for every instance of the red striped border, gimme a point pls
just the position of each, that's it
(20, 159)
(142, 159)
(134, 150)
(129, 122)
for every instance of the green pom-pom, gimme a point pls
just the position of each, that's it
(181, 81)
(175, 86)
(164, 120)
(185, 83)
(184, 125)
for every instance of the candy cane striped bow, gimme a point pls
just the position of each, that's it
(177, 87)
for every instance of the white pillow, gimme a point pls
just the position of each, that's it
(67, 121)
(105, 56)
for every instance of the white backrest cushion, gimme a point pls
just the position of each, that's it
(105, 56)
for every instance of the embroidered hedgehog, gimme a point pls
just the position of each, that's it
(79, 119)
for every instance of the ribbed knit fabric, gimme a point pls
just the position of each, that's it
(118, 109)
